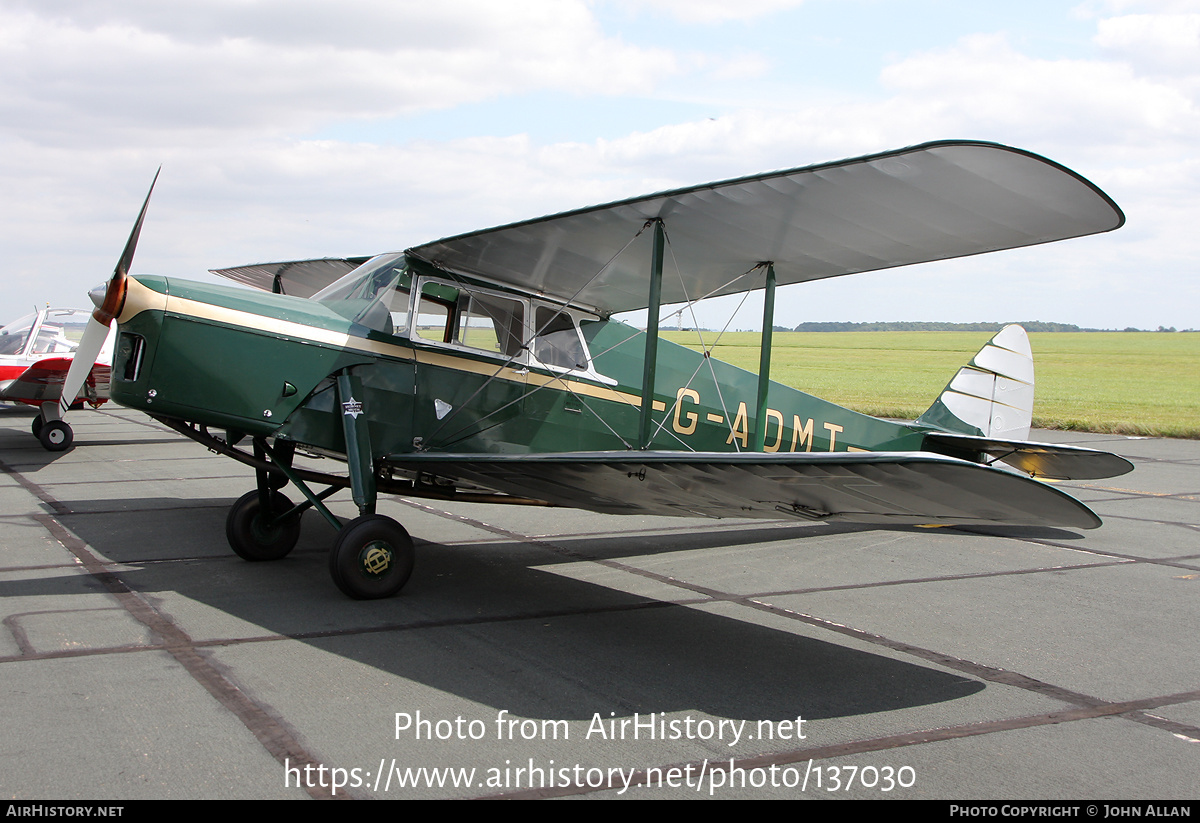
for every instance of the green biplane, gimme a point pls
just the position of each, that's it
(486, 367)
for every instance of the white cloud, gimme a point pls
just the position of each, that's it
(1100, 8)
(97, 70)
(708, 12)
(1165, 44)
(226, 95)
(983, 84)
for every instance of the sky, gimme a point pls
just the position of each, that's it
(291, 129)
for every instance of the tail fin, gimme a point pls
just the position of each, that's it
(992, 396)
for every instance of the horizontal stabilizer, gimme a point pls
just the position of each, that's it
(899, 488)
(1047, 460)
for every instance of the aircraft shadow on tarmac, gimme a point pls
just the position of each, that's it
(31, 452)
(492, 623)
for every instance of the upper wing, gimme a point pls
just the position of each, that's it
(930, 202)
(300, 278)
(869, 487)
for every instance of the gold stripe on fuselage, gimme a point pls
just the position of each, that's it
(141, 298)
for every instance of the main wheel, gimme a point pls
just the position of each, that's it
(56, 436)
(37, 424)
(250, 533)
(372, 558)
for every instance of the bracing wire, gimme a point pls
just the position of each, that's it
(524, 346)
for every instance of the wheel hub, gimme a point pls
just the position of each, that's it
(375, 558)
(263, 529)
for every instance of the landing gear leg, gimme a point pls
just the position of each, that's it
(358, 442)
(373, 555)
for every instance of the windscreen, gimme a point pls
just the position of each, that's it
(374, 295)
(14, 335)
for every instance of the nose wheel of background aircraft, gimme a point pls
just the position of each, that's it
(372, 558)
(258, 535)
(55, 436)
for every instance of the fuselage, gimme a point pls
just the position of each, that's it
(449, 365)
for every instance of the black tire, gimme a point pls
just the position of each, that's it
(250, 537)
(372, 558)
(56, 436)
(37, 424)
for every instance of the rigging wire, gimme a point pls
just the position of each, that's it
(466, 287)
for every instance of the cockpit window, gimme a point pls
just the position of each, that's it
(557, 342)
(463, 315)
(435, 313)
(55, 331)
(486, 322)
(375, 295)
(491, 323)
(61, 331)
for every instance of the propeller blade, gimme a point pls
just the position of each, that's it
(131, 245)
(85, 358)
(108, 306)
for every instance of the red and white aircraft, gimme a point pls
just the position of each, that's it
(36, 353)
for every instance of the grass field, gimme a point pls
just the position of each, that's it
(1145, 383)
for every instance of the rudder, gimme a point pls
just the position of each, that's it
(992, 396)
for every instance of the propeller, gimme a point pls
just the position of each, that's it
(109, 299)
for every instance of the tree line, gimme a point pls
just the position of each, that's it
(1030, 326)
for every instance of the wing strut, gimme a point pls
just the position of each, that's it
(764, 359)
(656, 268)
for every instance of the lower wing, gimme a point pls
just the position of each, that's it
(903, 488)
